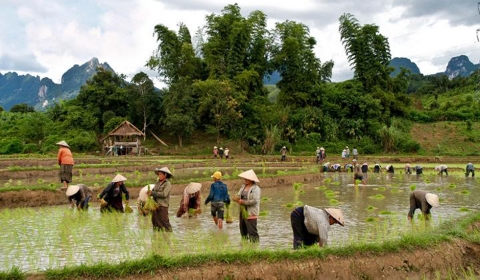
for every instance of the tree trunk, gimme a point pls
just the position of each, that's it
(179, 137)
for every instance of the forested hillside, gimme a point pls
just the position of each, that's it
(214, 84)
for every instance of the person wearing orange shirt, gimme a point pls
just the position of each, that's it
(65, 160)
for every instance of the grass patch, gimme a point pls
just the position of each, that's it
(459, 228)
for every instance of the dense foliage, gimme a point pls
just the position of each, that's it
(214, 83)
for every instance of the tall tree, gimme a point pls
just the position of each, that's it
(368, 52)
(145, 100)
(180, 109)
(220, 102)
(178, 67)
(301, 71)
(237, 46)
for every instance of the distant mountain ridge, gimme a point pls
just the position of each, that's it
(459, 66)
(39, 93)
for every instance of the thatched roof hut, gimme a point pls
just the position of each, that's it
(125, 139)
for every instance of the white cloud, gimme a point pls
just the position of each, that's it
(46, 38)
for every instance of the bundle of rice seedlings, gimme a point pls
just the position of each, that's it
(128, 209)
(150, 205)
(103, 203)
(228, 217)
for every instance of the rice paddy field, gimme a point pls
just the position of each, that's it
(40, 238)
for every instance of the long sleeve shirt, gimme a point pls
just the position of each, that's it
(109, 192)
(317, 222)
(251, 201)
(65, 156)
(418, 201)
(218, 192)
(83, 192)
(161, 193)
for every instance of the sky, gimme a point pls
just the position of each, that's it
(47, 37)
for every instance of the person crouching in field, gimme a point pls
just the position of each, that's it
(79, 195)
(470, 169)
(310, 225)
(191, 200)
(418, 169)
(423, 201)
(358, 175)
(441, 169)
(111, 196)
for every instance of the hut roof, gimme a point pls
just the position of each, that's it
(124, 129)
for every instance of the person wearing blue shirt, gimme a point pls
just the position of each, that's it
(218, 196)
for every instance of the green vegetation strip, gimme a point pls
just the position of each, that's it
(464, 228)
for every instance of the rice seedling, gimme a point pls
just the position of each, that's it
(371, 219)
(266, 199)
(330, 194)
(377, 196)
(333, 201)
(413, 187)
(452, 186)
(371, 208)
(464, 209)
(385, 212)
(321, 188)
(263, 213)
(296, 186)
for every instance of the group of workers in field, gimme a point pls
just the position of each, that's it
(309, 224)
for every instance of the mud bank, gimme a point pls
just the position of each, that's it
(444, 261)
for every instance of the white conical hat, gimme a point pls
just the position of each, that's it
(336, 214)
(164, 170)
(118, 178)
(432, 199)
(142, 195)
(249, 175)
(63, 143)
(72, 189)
(193, 187)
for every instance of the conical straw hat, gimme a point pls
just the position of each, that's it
(249, 175)
(164, 170)
(142, 195)
(118, 178)
(63, 143)
(72, 189)
(432, 199)
(336, 214)
(193, 188)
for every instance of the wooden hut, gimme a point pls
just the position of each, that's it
(125, 139)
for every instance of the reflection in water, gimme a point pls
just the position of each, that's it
(53, 237)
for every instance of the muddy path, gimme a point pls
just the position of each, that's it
(444, 261)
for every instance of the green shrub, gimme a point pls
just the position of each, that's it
(11, 146)
(30, 148)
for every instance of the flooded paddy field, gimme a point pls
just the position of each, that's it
(38, 238)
